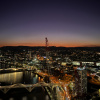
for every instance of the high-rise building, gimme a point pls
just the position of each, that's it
(80, 82)
(30, 55)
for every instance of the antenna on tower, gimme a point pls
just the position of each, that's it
(46, 41)
(47, 55)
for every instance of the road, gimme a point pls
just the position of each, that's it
(63, 83)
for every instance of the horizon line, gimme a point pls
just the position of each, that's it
(48, 46)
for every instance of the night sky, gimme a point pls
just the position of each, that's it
(68, 23)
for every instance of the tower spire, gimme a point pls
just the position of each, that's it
(47, 54)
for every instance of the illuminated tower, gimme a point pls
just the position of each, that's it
(47, 53)
(46, 43)
(80, 83)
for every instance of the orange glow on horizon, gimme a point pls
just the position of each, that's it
(57, 45)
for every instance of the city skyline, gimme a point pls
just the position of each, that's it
(64, 23)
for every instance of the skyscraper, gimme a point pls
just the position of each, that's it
(80, 82)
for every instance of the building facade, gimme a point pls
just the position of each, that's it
(80, 82)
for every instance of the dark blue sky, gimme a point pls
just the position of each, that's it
(64, 22)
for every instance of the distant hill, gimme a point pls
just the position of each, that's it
(15, 48)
